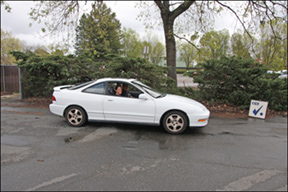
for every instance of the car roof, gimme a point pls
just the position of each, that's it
(115, 79)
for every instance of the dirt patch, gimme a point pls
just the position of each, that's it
(25, 113)
(42, 102)
(6, 93)
(33, 102)
(224, 110)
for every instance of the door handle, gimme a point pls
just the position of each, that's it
(110, 99)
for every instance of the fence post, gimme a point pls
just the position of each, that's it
(20, 85)
(3, 76)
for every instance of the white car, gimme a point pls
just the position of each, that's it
(96, 101)
(283, 75)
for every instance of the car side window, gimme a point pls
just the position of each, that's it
(111, 88)
(132, 92)
(97, 89)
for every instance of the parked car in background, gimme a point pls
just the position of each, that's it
(283, 75)
(270, 72)
(96, 101)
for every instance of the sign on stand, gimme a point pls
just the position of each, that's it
(258, 109)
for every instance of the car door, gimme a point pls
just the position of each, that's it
(129, 109)
(92, 101)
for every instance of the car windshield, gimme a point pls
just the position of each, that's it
(149, 90)
(77, 86)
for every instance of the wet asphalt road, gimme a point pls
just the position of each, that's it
(40, 152)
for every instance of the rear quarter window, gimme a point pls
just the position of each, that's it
(80, 85)
(98, 88)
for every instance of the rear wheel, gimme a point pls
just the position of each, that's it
(75, 116)
(175, 122)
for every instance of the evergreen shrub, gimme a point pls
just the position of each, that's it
(237, 81)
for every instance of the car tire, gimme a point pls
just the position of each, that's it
(175, 122)
(75, 116)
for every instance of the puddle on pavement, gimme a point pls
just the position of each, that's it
(164, 141)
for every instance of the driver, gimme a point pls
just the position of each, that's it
(125, 92)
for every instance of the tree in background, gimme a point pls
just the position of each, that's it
(131, 43)
(213, 44)
(98, 33)
(188, 54)
(241, 44)
(248, 13)
(156, 49)
(9, 43)
(41, 51)
(157, 53)
(134, 47)
(58, 49)
(197, 14)
(273, 48)
(27, 47)
(168, 18)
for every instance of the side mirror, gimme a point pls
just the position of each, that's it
(143, 96)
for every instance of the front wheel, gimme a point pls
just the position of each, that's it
(175, 122)
(75, 116)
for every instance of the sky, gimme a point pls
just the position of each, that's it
(17, 22)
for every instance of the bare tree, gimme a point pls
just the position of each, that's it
(249, 13)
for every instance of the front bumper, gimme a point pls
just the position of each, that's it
(200, 119)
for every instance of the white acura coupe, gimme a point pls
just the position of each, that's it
(137, 103)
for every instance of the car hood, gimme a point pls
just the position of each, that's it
(185, 100)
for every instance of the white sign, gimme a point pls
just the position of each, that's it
(258, 109)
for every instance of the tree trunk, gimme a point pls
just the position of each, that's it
(170, 49)
(168, 18)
